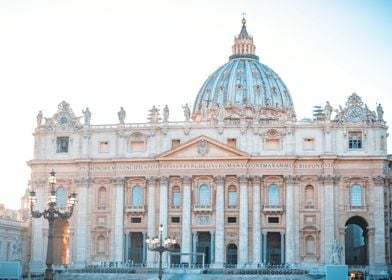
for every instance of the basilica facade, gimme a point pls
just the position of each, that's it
(240, 181)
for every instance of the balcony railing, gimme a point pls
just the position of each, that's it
(356, 208)
(273, 208)
(202, 208)
(135, 208)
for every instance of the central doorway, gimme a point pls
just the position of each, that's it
(273, 248)
(204, 246)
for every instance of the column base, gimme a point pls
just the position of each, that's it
(36, 267)
(79, 265)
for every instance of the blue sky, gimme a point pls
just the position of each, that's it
(105, 54)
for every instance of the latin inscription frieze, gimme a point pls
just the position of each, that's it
(207, 165)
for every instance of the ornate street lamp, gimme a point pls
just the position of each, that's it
(159, 245)
(51, 214)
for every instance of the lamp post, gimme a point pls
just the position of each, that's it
(51, 214)
(159, 245)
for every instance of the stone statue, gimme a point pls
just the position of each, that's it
(165, 113)
(339, 118)
(221, 112)
(336, 252)
(380, 113)
(39, 118)
(87, 116)
(204, 111)
(121, 115)
(187, 112)
(327, 111)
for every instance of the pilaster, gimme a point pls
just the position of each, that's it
(119, 220)
(220, 222)
(243, 222)
(186, 234)
(151, 183)
(379, 221)
(256, 226)
(291, 249)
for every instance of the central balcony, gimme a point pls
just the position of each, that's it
(135, 209)
(202, 208)
(273, 209)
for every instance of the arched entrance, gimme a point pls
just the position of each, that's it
(60, 241)
(356, 241)
(174, 258)
(231, 255)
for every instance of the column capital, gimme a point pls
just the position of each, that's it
(118, 181)
(39, 182)
(379, 180)
(82, 181)
(329, 179)
(243, 179)
(256, 179)
(186, 179)
(164, 179)
(219, 180)
(151, 180)
(291, 179)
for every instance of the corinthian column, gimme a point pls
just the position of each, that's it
(379, 222)
(220, 222)
(243, 221)
(118, 241)
(186, 234)
(37, 242)
(290, 220)
(256, 230)
(163, 209)
(151, 216)
(329, 216)
(81, 222)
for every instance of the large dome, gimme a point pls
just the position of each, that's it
(243, 82)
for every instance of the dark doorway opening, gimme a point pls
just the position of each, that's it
(356, 241)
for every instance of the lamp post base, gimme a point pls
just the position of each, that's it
(48, 274)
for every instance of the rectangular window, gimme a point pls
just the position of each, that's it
(137, 146)
(62, 144)
(273, 220)
(136, 220)
(232, 142)
(175, 220)
(308, 143)
(272, 144)
(176, 199)
(231, 220)
(355, 140)
(104, 147)
(176, 143)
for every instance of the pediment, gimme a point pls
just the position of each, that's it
(203, 147)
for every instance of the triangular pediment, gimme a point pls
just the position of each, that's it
(203, 147)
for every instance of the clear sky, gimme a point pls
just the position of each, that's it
(104, 54)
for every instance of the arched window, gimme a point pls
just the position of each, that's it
(310, 246)
(273, 194)
(356, 195)
(204, 195)
(101, 245)
(102, 197)
(232, 197)
(176, 197)
(309, 196)
(61, 197)
(137, 196)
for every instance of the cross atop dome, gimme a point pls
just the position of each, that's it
(243, 44)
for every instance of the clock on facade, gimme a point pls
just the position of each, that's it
(354, 114)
